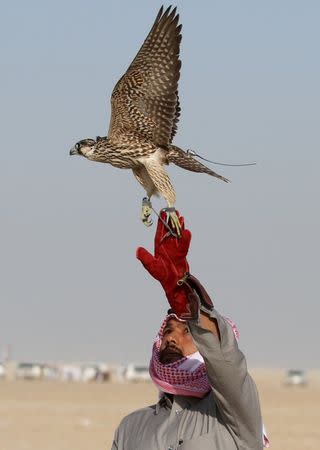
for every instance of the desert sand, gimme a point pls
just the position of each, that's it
(77, 416)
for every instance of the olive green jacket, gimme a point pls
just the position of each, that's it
(228, 418)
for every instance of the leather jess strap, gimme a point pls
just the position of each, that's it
(198, 297)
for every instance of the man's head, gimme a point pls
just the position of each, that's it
(176, 366)
(176, 341)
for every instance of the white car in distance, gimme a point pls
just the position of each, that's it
(296, 377)
(137, 372)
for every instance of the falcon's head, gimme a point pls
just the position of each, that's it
(85, 148)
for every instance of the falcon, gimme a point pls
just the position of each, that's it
(145, 112)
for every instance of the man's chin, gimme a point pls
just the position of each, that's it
(170, 357)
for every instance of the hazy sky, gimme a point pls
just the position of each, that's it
(71, 287)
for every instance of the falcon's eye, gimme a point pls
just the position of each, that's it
(77, 146)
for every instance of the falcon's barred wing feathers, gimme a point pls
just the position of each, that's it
(145, 100)
(176, 118)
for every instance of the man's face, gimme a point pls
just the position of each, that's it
(176, 342)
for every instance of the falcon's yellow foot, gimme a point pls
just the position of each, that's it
(146, 211)
(173, 220)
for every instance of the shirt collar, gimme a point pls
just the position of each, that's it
(180, 401)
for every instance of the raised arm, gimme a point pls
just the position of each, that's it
(233, 388)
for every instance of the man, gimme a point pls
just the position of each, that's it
(207, 398)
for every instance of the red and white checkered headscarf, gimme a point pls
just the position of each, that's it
(187, 376)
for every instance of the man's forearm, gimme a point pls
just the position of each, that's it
(209, 323)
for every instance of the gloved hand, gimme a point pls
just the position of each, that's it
(169, 263)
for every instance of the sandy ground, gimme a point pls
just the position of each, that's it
(59, 416)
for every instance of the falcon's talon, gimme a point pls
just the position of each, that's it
(147, 222)
(146, 212)
(173, 221)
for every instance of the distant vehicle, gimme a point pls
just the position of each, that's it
(29, 371)
(51, 372)
(296, 377)
(2, 371)
(89, 373)
(70, 372)
(136, 372)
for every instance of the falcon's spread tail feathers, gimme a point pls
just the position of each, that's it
(182, 159)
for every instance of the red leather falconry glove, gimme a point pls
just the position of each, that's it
(169, 264)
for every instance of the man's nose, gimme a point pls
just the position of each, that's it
(172, 339)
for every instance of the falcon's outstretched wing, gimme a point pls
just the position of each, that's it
(145, 100)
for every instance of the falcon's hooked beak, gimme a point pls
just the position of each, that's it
(73, 151)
